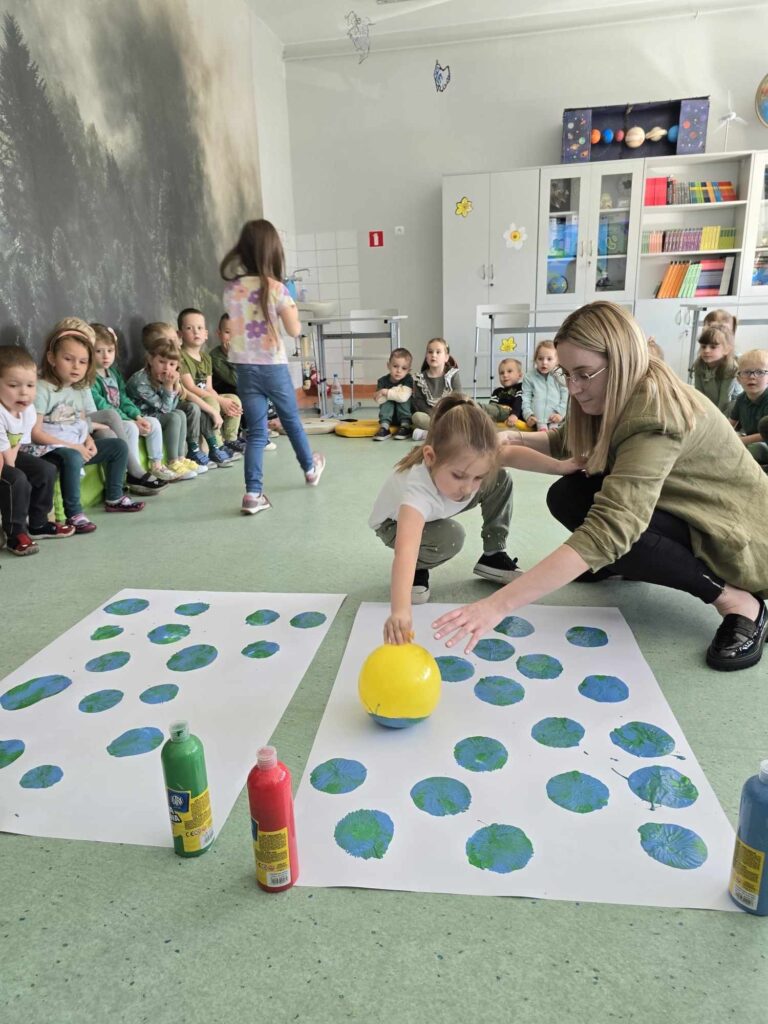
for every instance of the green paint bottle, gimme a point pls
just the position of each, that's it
(186, 784)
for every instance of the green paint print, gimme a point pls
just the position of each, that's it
(493, 649)
(128, 606)
(10, 751)
(171, 633)
(101, 700)
(480, 754)
(539, 666)
(453, 669)
(338, 776)
(441, 797)
(108, 662)
(135, 741)
(308, 620)
(106, 632)
(499, 691)
(499, 848)
(42, 777)
(513, 625)
(262, 617)
(673, 845)
(159, 694)
(577, 792)
(191, 658)
(641, 739)
(34, 690)
(586, 636)
(663, 787)
(192, 608)
(261, 649)
(558, 732)
(365, 834)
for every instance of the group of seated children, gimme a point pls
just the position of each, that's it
(77, 409)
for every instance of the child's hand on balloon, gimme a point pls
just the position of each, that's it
(398, 629)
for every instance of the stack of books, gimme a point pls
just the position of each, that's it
(684, 279)
(703, 239)
(671, 192)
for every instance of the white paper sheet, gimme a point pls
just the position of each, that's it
(233, 704)
(576, 855)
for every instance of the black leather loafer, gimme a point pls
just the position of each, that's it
(738, 642)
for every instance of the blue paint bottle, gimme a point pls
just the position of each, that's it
(749, 875)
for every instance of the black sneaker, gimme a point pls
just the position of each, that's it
(403, 434)
(738, 642)
(382, 434)
(146, 485)
(498, 567)
(420, 588)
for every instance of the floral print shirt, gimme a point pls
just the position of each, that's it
(255, 341)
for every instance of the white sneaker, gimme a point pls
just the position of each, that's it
(253, 503)
(313, 476)
(419, 434)
(270, 446)
(163, 472)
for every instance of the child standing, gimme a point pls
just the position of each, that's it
(157, 391)
(26, 481)
(749, 414)
(721, 317)
(545, 396)
(439, 375)
(64, 402)
(715, 369)
(196, 377)
(506, 404)
(393, 396)
(256, 299)
(126, 421)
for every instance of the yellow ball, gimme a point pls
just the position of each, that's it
(399, 685)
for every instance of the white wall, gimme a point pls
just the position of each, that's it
(370, 141)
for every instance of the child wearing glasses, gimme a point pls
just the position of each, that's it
(714, 371)
(545, 396)
(749, 414)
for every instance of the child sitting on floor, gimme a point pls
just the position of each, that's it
(715, 369)
(506, 404)
(393, 396)
(545, 396)
(439, 375)
(749, 414)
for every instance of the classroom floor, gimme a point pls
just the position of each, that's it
(96, 932)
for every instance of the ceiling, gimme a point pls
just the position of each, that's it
(312, 28)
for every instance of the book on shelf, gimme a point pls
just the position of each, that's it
(684, 279)
(696, 193)
(725, 280)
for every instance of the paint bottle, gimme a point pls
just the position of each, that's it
(272, 824)
(749, 875)
(186, 785)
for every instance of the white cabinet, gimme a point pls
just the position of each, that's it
(489, 250)
(754, 263)
(670, 325)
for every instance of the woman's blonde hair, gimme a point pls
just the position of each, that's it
(721, 316)
(610, 331)
(719, 334)
(71, 328)
(457, 425)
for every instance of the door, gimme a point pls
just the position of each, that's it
(563, 225)
(466, 214)
(614, 219)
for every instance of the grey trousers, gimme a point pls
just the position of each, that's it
(444, 538)
(421, 420)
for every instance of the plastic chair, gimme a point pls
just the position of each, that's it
(499, 319)
(365, 322)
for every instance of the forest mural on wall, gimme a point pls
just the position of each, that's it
(123, 173)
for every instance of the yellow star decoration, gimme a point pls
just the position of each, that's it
(463, 207)
(508, 345)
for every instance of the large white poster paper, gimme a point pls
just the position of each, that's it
(553, 767)
(82, 722)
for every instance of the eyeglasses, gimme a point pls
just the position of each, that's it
(581, 379)
(746, 374)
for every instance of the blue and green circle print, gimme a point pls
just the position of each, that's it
(34, 690)
(308, 620)
(499, 848)
(10, 751)
(127, 606)
(192, 608)
(191, 658)
(673, 845)
(493, 649)
(338, 775)
(42, 777)
(260, 649)
(641, 739)
(604, 689)
(539, 666)
(159, 694)
(453, 669)
(558, 732)
(365, 834)
(578, 792)
(108, 662)
(513, 625)
(662, 786)
(262, 617)
(480, 754)
(441, 796)
(101, 700)
(170, 633)
(499, 690)
(586, 636)
(106, 632)
(135, 741)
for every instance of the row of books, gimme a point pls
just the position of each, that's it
(671, 192)
(684, 279)
(688, 239)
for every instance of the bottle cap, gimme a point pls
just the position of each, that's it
(179, 731)
(267, 758)
(763, 773)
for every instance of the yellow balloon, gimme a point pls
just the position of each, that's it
(399, 685)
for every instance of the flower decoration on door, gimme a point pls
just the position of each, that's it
(507, 345)
(358, 31)
(442, 76)
(515, 236)
(463, 207)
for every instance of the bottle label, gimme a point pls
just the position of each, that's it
(746, 875)
(273, 860)
(191, 818)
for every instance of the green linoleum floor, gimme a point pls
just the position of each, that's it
(100, 933)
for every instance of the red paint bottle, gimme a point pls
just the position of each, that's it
(272, 824)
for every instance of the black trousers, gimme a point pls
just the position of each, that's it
(661, 555)
(26, 492)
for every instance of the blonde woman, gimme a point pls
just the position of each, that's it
(653, 503)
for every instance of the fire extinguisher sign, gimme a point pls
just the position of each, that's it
(375, 239)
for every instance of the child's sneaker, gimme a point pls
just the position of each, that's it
(382, 434)
(81, 523)
(180, 470)
(21, 544)
(145, 485)
(201, 460)
(253, 503)
(318, 465)
(498, 567)
(235, 446)
(165, 473)
(417, 434)
(124, 504)
(219, 457)
(402, 434)
(191, 464)
(420, 588)
(51, 531)
(270, 446)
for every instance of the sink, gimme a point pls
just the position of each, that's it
(315, 310)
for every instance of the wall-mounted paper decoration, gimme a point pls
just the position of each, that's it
(359, 31)
(507, 344)
(442, 76)
(463, 207)
(515, 236)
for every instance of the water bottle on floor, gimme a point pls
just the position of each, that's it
(337, 397)
(749, 876)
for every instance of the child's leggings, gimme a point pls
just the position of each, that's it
(26, 490)
(129, 432)
(174, 426)
(111, 453)
(231, 427)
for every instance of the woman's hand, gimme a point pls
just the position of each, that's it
(472, 620)
(398, 629)
(568, 466)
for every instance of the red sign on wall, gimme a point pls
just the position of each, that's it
(375, 239)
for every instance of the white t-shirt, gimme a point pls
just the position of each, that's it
(413, 487)
(15, 430)
(65, 411)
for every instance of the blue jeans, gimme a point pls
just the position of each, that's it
(112, 452)
(256, 386)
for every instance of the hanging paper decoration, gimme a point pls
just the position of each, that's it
(358, 30)
(515, 236)
(463, 207)
(507, 345)
(442, 76)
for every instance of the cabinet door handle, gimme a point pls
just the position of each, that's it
(490, 272)
(590, 247)
(482, 272)
(581, 249)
